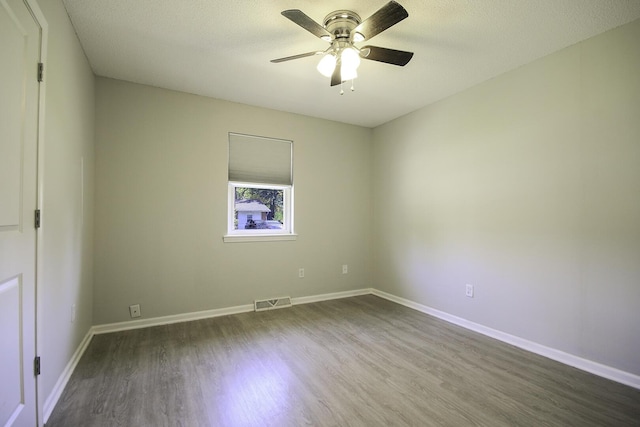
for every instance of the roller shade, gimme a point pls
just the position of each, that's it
(260, 160)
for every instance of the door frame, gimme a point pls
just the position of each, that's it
(39, 18)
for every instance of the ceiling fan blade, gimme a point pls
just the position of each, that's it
(387, 16)
(299, 17)
(336, 77)
(301, 55)
(382, 54)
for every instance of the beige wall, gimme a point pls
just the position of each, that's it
(67, 211)
(528, 187)
(161, 203)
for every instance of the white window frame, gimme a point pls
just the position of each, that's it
(257, 235)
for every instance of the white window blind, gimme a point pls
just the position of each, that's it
(260, 160)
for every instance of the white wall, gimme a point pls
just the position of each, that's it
(531, 185)
(161, 205)
(67, 221)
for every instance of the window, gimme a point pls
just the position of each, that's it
(260, 204)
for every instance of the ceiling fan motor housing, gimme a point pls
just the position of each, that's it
(341, 23)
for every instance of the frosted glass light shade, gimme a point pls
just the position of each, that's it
(350, 58)
(357, 37)
(327, 64)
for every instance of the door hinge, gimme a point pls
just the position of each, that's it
(36, 366)
(40, 71)
(37, 218)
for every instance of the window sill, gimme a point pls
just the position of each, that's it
(244, 238)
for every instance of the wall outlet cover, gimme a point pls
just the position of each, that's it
(134, 310)
(469, 291)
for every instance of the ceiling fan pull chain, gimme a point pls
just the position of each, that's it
(352, 85)
(341, 90)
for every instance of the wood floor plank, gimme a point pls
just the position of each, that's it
(360, 361)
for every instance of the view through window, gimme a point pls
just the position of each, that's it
(258, 208)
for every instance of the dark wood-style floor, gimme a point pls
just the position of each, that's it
(360, 361)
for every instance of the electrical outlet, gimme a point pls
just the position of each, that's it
(469, 291)
(345, 268)
(301, 273)
(134, 310)
(73, 313)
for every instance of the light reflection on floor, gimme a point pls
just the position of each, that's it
(255, 391)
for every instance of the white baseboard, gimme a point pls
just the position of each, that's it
(167, 320)
(327, 297)
(59, 386)
(595, 368)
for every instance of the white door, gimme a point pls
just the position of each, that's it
(19, 56)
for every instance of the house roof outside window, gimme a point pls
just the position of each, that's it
(251, 206)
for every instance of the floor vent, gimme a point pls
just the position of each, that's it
(271, 304)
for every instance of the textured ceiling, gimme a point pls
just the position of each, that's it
(222, 48)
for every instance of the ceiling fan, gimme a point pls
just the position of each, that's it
(343, 28)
